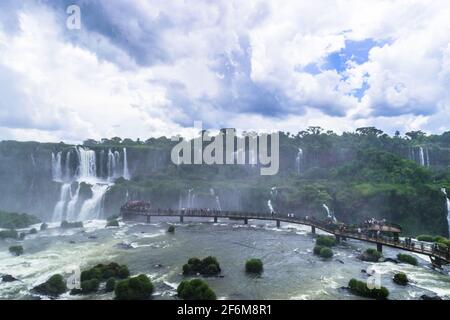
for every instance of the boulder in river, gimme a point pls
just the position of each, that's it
(8, 278)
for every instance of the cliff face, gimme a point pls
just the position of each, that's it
(100, 178)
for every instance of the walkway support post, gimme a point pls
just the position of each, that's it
(278, 223)
(181, 219)
(338, 239)
(148, 219)
(215, 219)
(379, 247)
(245, 221)
(313, 230)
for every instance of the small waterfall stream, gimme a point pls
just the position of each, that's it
(448, 208)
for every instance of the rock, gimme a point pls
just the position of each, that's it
(390, 260)
(72, 242)
(124, 245)
(53, 287)
(427, 297)
(158, 265)
(363, 271)
(92, 237)
(8, 278)
(340, 261)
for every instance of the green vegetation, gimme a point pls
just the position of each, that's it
(33, 231)
(371, 255)
(254, 266)
(9, 234)
(110, 285)
(326, 241)
(68, 225)
(209, 266)
(135, 288)
(401, 279)
(52, 287)
(89, 286)
(171, 229)
(195, 289)
(360, 288)
(425, 238)
(317, 249)
(16, 250)
(103, 272)
(406, 258)
(112, 223)
(44, 226)
(326, 253)
(12, 220)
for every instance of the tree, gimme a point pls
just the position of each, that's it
(369, 131)
(195, 289)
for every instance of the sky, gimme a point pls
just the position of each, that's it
(147, 68)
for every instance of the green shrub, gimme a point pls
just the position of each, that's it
(52, 287)
(33, 231)
(110, 285)
(254, 266)
(400, 279)
(112, 223)
(12, 220)
(406, 258)
(326, 241)
(68, 225)
(195, 289)
(89, 286)
(12, 234)
(171, 229)
(136, 288)
(425, 238)
(209, 266)
(103, 272)
(44, 227)
(16, 250)
(326, 253)
(360, 288)
(317, 249)
(371, 255)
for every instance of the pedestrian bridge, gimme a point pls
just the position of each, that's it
(438, 256)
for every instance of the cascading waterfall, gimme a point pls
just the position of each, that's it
(92, 208)
(298, 161)
(71, 206)
(58, 212)
(273, 192)
(330, 214)
(420, 155)
(213, 193)
(126, 171)
(190, 198)
(87, 165)
(448, 208)
(57, 166)
(67, 173)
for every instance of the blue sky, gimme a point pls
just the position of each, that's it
(150, 68)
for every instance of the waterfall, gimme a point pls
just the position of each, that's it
(190, 198)
(213, 193)
(298, 161)
(57, 167)
(126, 172)
(330, 214)
(448, 208)
(58, 212)
(421, 157)
(92, 208)
(273, 192)
(71, 206)
(87, 167)
(111, 165)
(67, 173)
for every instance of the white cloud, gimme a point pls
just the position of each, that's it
(55, 86)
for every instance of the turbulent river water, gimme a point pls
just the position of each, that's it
(291, 271)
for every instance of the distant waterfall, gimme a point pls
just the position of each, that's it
(298, 161)
(92, 208)
(71, 206)
(126, 172)
(87, 167)
(213, 193)
(273, 192)
(57, 166)
(330, 214)
(190, 198)
(58, 212)
(67, 171)
(420, 155)
(448, 208)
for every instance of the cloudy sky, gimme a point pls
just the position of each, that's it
(146, 68)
